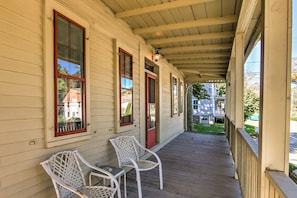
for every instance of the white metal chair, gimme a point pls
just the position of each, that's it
(127, 149)
(69, 181)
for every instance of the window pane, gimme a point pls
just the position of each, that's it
(69, 108)
(126, 85)
(70, 48)
(128, 66)
(126, 102)
(174, 96)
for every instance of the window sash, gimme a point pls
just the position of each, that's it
(70, 82)
(126, 88)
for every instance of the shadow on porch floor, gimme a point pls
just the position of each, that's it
(194, 165)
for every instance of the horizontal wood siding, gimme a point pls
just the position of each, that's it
(22, 136)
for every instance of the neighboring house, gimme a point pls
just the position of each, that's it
(206, 111)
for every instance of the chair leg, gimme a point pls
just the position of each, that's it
(161, 176)
(138, 184)
(125, 185)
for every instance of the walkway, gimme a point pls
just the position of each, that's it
(194, 165)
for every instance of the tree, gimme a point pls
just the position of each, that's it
(200, 92)
(221, 89)
(189, 109)
(251, 102)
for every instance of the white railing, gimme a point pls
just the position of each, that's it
(245, 154)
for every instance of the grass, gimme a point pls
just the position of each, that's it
(212, 129)
(251, 130)
(292, 167)
(219, 129)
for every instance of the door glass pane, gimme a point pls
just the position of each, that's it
(152, 116)
(152, 90)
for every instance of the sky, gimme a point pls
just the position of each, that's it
(252, 63)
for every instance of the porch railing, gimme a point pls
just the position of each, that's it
(245, 154)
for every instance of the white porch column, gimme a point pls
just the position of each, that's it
(275, 90)
(239, 56)
(228, 94)
(232, 89)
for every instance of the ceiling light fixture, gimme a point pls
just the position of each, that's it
(156, 56)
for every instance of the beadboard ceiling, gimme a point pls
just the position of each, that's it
(196, 36)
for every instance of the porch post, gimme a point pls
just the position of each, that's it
(232, 89)
(275, 90)
(239, 56)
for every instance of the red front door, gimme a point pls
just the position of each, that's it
(150, 110)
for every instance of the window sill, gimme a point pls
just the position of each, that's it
(59, 141)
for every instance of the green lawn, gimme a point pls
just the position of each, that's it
(219, 129)
(213, 128)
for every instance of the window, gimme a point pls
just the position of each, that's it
(195, 104)
(126, 88)
(67, 93)
(174, 96)
(69, 76)
(181, 97)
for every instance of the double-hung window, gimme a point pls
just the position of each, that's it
(69, 76)
(126, 87)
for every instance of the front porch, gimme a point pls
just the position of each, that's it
(194, 165)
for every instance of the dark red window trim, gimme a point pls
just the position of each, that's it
(120, 90)
(70, 77)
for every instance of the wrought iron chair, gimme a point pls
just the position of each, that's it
(127, 149)
(69, 181)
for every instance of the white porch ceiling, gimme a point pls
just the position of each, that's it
(196, 36)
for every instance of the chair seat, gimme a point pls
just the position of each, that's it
(98, 191)
(143, 165)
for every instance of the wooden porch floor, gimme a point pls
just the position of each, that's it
(194, 165)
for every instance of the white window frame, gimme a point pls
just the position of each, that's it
(49, 124)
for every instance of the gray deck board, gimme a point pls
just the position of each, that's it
(194, 165)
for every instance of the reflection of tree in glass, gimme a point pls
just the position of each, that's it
(62, 90)
(62, 70)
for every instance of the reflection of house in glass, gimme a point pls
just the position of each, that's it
(72, 111)
(72, 104)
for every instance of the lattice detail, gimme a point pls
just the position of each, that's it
(65, 166)
(127, 149)
(68, 179)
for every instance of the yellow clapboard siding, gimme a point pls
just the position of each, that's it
(18, 125)
(21, 176)
(27, 10)
(26, 101)
(19, 78)
(17, 189)
(20, 55)
(19, 147)
(22, 90)
(20, 67)
(102, 104)
(19, 136)
(20, 113)
(20, 43)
